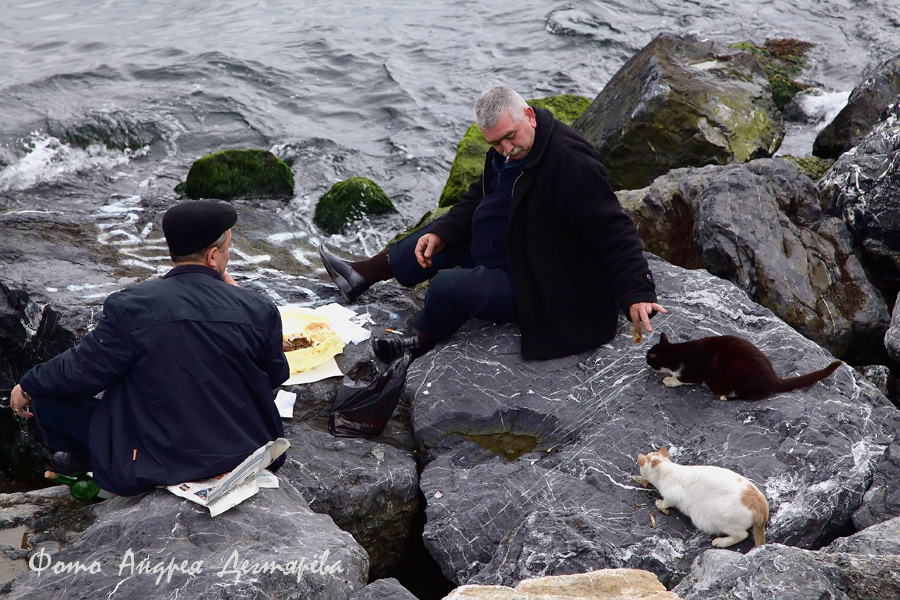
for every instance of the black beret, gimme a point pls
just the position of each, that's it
(195, 225)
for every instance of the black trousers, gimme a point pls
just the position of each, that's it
(66, 422)
(454, 295)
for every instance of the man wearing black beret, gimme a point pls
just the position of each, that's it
(186, 365)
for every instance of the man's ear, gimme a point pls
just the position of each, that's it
(212, 257)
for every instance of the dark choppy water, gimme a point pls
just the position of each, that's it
(380, 89)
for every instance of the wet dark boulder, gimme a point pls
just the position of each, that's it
(238, 173)
(682, 101)
(760, 226)
(529, 464)
(862, 188)
(863, 110)
(369, 487)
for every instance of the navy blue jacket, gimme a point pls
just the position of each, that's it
(187, 364)
(575, 257)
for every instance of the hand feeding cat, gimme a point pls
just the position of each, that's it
(730, 366)
(717, 500)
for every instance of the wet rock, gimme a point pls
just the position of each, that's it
(760, 226)
(679, 102)
(607, 584)
(349, 201)
(861, 188)
(882, 499)
(160, 546)
(230, 174)
(566, 502)
(469, 161)
(862, 112)
(24, 507)
(383, 589)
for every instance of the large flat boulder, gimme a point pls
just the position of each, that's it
(682, 101)
(529, 464)
(159, 546)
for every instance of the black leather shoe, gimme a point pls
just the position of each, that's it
(66, 463)
(349, 283)
(388, 349)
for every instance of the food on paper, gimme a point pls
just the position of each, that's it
(308, 340)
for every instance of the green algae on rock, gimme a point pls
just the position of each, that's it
(681, 101)
(349, 201)
(782, 59)
(469, 161)
(508, 445)
(811, 166)
(237, 173)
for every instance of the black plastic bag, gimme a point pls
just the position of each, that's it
(367, 399)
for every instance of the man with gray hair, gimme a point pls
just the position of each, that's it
(540, 240)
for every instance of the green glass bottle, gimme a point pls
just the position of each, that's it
(81, 486)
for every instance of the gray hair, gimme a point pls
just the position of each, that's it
(491, 105)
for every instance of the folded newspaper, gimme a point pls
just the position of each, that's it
(225, 491)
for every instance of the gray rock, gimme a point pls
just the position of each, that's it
(892, 336)
(161, 546)
(882, 499)
(681, 101)
(770, 571)
(880, 376)
(529, 464)
(862, 112)
(861, 188)
(369, 487)
(383, 589)
(760, 226)
(864, 565)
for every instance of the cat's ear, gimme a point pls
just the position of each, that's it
(642, 460)
(664, 452)
(663, 338)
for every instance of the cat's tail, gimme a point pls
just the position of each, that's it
(759, 533)
(793, 383)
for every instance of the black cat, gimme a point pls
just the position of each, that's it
(730, 366)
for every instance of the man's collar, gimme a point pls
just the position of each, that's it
(193, 268)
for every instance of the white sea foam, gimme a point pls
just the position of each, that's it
(48, 159)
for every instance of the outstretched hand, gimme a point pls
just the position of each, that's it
(427, 246)
(640, 314)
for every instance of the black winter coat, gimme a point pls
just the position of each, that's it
(575, 257)
(187, 364)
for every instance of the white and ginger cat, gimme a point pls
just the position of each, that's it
(718, 501)
(730, 366)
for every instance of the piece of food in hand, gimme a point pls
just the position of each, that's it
(636, 334)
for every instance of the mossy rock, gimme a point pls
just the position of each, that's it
(349, 201)
(782, 60)
(811, 166)
(238, 173)
(469, 161)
